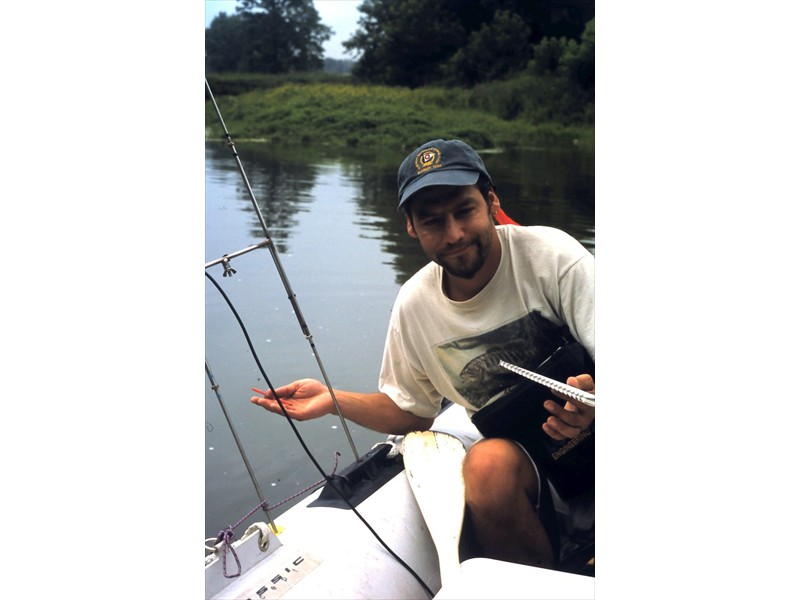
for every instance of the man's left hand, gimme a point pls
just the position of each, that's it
(568, 421)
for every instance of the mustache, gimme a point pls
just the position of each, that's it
(457, 247)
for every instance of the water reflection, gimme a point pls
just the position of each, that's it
(553, 186)
(282, 188)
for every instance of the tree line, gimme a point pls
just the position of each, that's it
(414, 43)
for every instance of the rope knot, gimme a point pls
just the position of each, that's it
(226, 535)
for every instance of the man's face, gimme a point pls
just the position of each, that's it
(456, 231)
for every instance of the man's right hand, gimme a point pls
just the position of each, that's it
(303, 399)
(308, 399)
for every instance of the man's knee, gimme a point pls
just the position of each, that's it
(497, 467)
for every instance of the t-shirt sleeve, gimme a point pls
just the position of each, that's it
(576, 287)
(560, 268)
(402, 378)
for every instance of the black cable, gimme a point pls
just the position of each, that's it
(305, 447)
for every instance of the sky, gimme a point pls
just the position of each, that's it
(340, 15)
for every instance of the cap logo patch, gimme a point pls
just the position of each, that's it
(427, 159)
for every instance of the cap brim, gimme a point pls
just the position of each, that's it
(443, 177)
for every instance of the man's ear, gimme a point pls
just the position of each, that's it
(494, 203)
(410, 227)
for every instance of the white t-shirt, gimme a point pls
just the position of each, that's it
(437, 348)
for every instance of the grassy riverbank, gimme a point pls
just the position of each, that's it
(339, 114)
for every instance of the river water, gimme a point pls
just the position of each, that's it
(345, 252)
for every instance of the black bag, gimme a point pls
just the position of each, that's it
(519, 415)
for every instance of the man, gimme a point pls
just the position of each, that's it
(490, 293)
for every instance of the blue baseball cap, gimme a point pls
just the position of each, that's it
(439, 162)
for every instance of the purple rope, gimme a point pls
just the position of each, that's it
(226, 535)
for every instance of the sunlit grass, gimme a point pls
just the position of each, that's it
(347, 115)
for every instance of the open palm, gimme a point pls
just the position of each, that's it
(303, 399)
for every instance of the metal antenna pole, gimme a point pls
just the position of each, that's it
(287, 286)
(264, 502)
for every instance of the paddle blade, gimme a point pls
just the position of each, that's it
(433, 462)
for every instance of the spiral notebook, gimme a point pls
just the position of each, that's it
(519, 414)
(569, 391)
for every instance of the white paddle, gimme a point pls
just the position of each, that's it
(433, 463)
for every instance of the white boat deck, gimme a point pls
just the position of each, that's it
(323, 552)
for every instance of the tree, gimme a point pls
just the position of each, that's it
(268, 36)
(224, 43)
(403, 43)
(496, 49)
(567, 58)
(578, 60)
(416, 42)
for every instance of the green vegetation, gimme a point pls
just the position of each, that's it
(416, 43)
(506, 73)
(267, 36)
(225, 84)
(346, 115)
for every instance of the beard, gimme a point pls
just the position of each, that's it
(465, 264)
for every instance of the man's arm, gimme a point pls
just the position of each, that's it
(309, 399)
